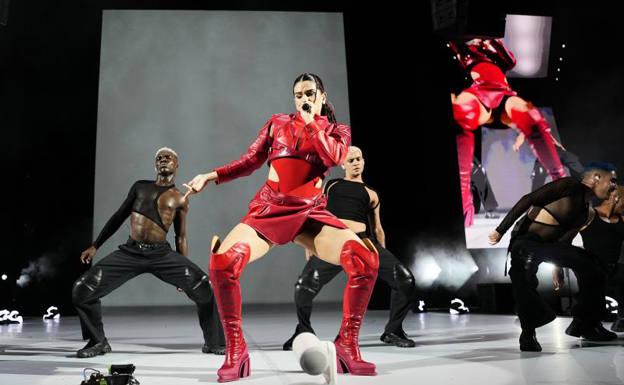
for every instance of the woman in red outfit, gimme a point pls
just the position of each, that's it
(290, 207)
(491, 98)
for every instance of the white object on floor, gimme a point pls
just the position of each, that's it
(316, 356)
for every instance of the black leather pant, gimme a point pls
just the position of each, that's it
(527, 253)
(131, 260)
(317, 273)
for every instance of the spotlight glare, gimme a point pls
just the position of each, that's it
(4, 277)
(458, 307)
(426, 271)
(548, 266)
(420, 308)
(611, 305)
(10, 317)
(52, 313)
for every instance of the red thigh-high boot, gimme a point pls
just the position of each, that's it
(225, 271)
(537, 131)
(467, 117)
(361, 265)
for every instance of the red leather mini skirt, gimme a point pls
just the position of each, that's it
(279, 217)
(491, 85)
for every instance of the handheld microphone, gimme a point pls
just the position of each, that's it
(306, 107)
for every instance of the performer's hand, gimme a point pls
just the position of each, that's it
(494, 237)
(198, 183)
(518, 143)
(557, 277)
(487, 43)
(88, 254)
(307, 116)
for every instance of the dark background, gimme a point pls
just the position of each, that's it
(400, 76)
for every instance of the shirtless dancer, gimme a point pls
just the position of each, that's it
(555, 213)
(152, 207)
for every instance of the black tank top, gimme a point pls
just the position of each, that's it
(604, 240)
(348, 200)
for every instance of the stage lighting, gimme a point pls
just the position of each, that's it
(458, 307)
(419, 307)
(426, 271)
(611, 304)
(8, 317)
(52, 313)
(547, 266)
(4, 277)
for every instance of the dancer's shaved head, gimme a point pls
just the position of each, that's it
(354, 163)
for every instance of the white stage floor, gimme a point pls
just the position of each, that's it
(164, 344)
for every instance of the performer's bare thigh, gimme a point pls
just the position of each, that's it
(325, 241)
(245, 233)
(464, 97)
(516, 103)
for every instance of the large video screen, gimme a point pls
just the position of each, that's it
(507, 146)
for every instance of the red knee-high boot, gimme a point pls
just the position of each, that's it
(361, 265)
(225, 271)
(537, 131)
(467, 117)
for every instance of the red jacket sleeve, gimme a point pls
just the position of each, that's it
(250, 161)
(504, 58)
(331, 143)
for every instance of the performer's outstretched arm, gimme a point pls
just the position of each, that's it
(250, 161)
(256, 155)
(115, 222)
(504, 58)
(548, 193)
(111, 226)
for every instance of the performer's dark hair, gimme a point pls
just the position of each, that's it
(328, 108)
(602, 166)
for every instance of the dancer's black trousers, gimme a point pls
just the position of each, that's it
(131, 260)
(317, 273)
(527, 252)
(615, 286)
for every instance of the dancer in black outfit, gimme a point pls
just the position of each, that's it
(555, 213)
(603, 240)
(356, 204)
(152, 207)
